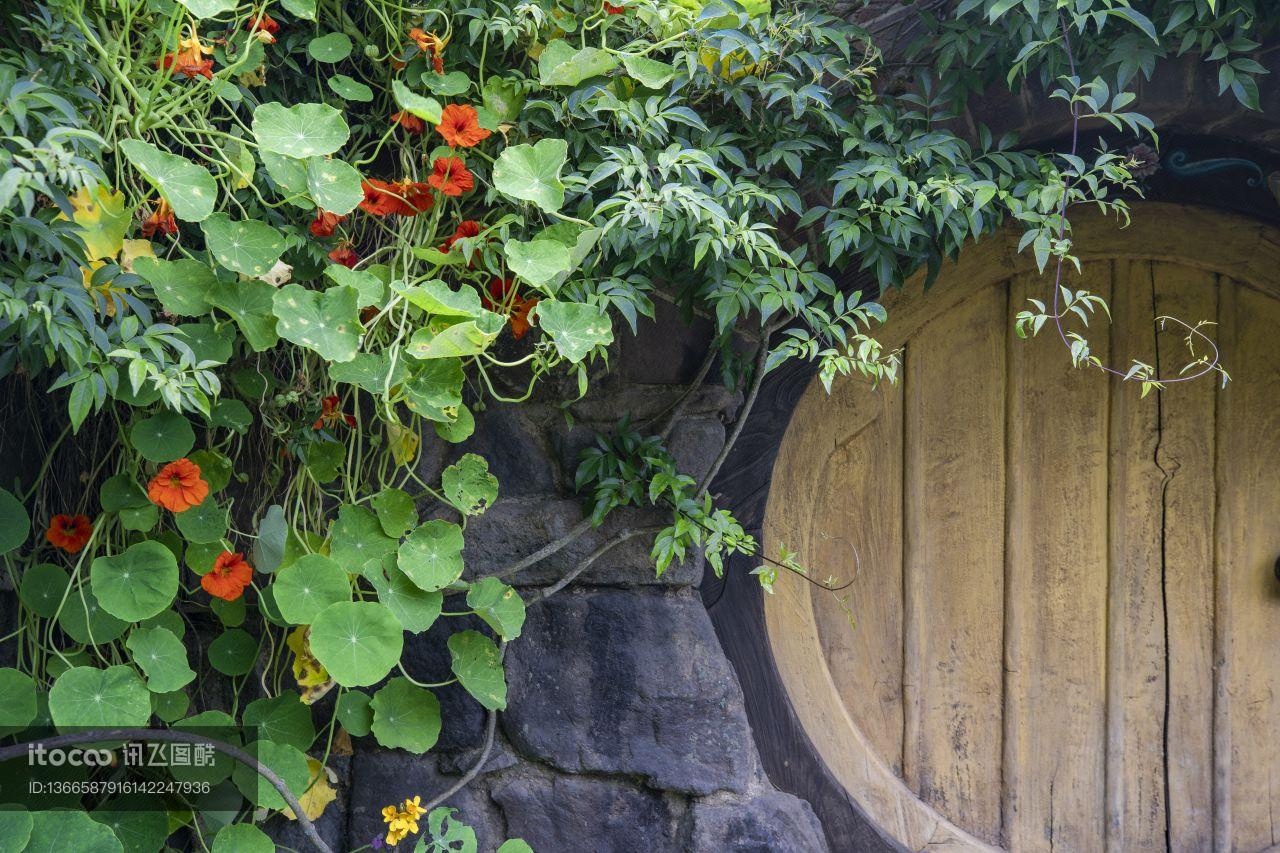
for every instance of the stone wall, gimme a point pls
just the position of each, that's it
(626, 728)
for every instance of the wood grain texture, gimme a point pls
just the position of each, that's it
(953, 528)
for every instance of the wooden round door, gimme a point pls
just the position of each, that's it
(1063, 627)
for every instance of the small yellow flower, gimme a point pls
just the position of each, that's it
(414, 808)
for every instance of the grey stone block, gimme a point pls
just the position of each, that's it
(772, 822)
(568, 815)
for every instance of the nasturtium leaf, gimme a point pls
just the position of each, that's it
(309, 585)
(335, 186)
(538, 262)
(162, 658)
(170, 706)
(406, 716)
(503, 98)
(449, 833)
(432, 555)
(217, 726)
(15, 524)
(290, 174)
(579, 241)
(287, 762)
(331, 47)
(283, 719)
(648, 72)
(230, 613)
(233, 652)
(182, 286)
(189, 189)
(358, 642)
(561, 65)
(215, 468)
(15, 831)
(305, 9)
(249, 304)
(43, 586)
(532, 173)
(209, 341)
(468, 485)
(575, 327)
(99, 698)
(17, 701)
(474, 659)
(470, 337)
(70, 832)
(170, 620)
(249, 246)
(204, 524)
(242, 838)
(499, 605)
(325, 459)
(230, 414)
(460, 429)
(414, 609)
(350, 90)
(369, 371)
(370, 289)
(515, 845)
(135, 584)
(136, 830)
(268, 548)
(446, 85)
(140, 518)
(356, 537)
(427, 109)
(102, 219)
(326, 322)
(209, 8)
(439, 300)
(85, 621)
(354, 712)
(434, 390)
(162, 437)
(301, 131)
(396, 512)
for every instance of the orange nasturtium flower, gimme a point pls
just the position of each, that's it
(331, 414)
(69, 532)
(460, 126)
(324, 223)
(410, 122)
(431, 45)
(160, 221)
(264, 28)
(615, 8)
(188, 60)
(451, 177)
(178, 487)
(406, 198)
(504, 299)
(228, 577)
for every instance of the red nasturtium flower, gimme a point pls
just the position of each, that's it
(431, 45)
(505, 299)
(188, 60)
(451, 177)
(160, 221)
(331, 414)
(406, 198)
(345, 254)
(228, 577)
(615, 8)
(325, 223)
(466, 228)
(460, 126)
(69, 532)
(264, 28)
(178, 487)
(410, 122)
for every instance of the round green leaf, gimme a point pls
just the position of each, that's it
(217, 726)
(215, 469)
(170, 706)
(15, 831)
(499, 605)
(230, 613)
(136, 584)
(432, 555)
(142, 518)
(282, 719)
(309, 585)
(427, 109)
(233, 652)
(300, 131)
(170, 620)
(121, 492)
(17, 701)
(287, 762)
(99, 698)
(163, 437)
(357, 538)
(189, 189)
(43, 586)
(349, 89)
(248, 246)
(354, 712)
(532, 173)
(575, 327)
(415, 609)
(358, 642)
(231, 414)
(332, 47)
(162, 658)
(538, 261)
(15, 524)
(182, 286)
(335, 186)
(327, 322)
(474, 659)
(138, 831)
(405, 716)
(84, 619)
(209, 8)
(242, 838)
(70, 832)
(209, 342)
(396, 512)
(203, 524)
(461, 428)
(515, 845)
(468, 485)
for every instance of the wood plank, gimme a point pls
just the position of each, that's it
(856, 537)
(1186, 453)
(1136, 619)
(1247, 626)
(953, 527)
(1056, 590)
